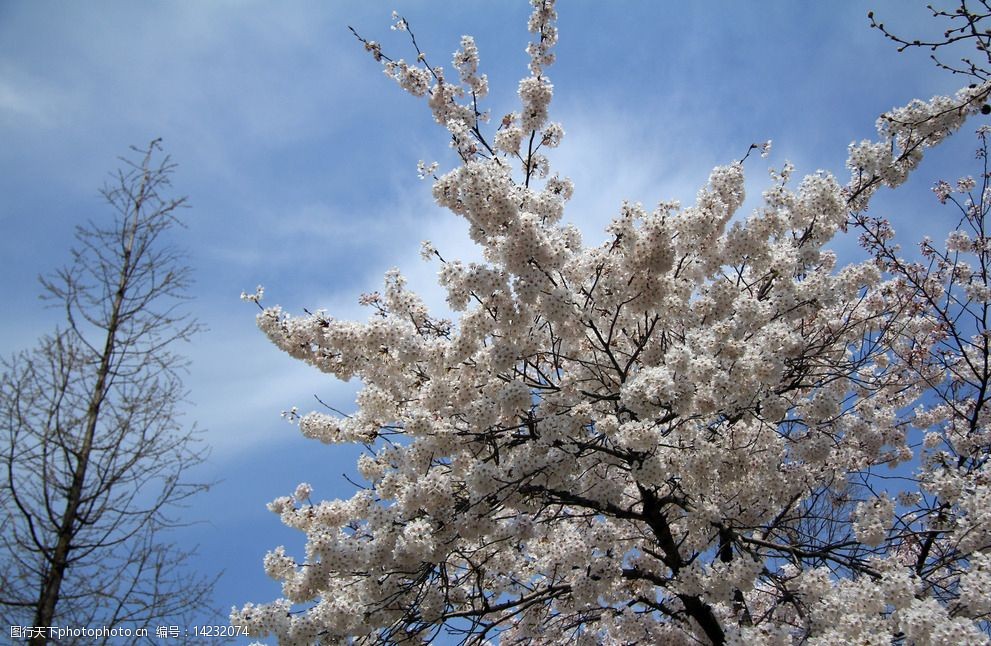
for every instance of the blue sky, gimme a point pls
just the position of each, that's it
(299, 160)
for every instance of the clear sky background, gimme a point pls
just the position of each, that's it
(299, 159)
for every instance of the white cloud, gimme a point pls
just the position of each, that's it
(28, 100)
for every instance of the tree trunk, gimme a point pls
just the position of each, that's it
(59, 560)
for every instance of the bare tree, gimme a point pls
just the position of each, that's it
(95, 457)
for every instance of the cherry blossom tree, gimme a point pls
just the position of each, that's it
(680, 436)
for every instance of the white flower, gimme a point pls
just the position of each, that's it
(254, 298)
(424, 171)
(302, 493)
(872, 520)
